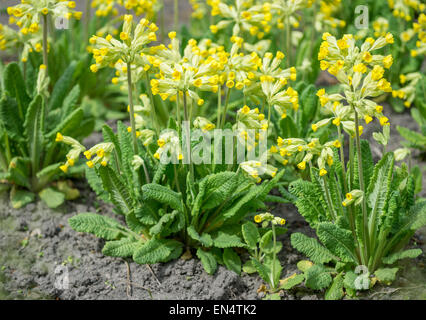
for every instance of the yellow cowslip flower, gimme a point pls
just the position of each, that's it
(384, 121)
(337, 144)
(389, 38)
(367, 57)
(377, 73)
(361, 68)
(388, 61)
(323, 172)
(59, 137)
(257, 219)
(368, 119)
(302, 165)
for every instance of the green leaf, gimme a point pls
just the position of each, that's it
(335, 292)
(417, 216)
(21, 198)
(262, 270)
(214, 190)
(250, 234)
(146, 214)
(207, 260)
(291, 281)
(231, 260)
(52, 198)
(288, 127)
(304, 265)
(62, 87)
(225, 240)
(117, 189)
(309, 101)
(339, 241)
(33, 130)
(46, 173)
(15, 88)
(349, 280)
(248, 267)
(386, 275)
(416, 139)
(163, 195)
(266, 242)
(70, 126)
(167, 224)
(20, 171)
(205, 239)
(379, 189)
(317, 277)
(312, 249)
(134, 224)
(100, 226)
(95, 183)
(308, 201)
(70, 101)
(367, 164)
(412, 253)
(122, 248)
(10, 118)
(157, 250)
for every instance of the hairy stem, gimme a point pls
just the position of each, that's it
(154, 118)
(219, 106)
(328, 197)
(176, 17)
(274, 257)
(178, 119)
(87, 21)
(361, 183)
(288, 40)
(132, 109)
(228, 94)
(188, 138)
(45, 27)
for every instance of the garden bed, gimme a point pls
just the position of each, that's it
(28, 267)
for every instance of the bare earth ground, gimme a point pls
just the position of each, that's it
(28, 271)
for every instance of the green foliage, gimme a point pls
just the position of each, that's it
(205, 216)
(263, 252)
(413, 139)
(392, 218)
(29, 156)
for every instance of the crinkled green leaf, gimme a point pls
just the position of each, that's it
(207, 260)
(312, 249)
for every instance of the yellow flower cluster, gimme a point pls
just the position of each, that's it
(380, 27)
(419, 30)
(169, 146)
(326, 17)
(302, 152)
(250, 127)
(138, 7)
(406, 9)
(269, 217)
(204, 124)
(199, 8)
(27, 14)
(254, 169)
(11, 39)
(407, 92)
(351, 64)
(129, 49)
(73, 154)
(100, 153)
(245, 16)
